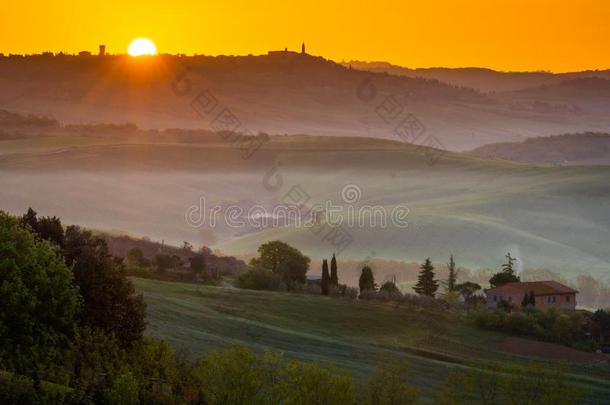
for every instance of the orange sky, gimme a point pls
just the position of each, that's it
(557, 35)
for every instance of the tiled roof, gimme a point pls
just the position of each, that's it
(538, 287)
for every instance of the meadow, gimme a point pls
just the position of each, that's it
(353, 335)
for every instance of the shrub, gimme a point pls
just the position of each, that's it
(17, 389)
(306, 383)
(258, 279)
(238, 376)
(389, 384)
(233, 376)
(548, 325)
(124, 390)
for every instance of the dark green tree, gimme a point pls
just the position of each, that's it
(452, 277)
(526, 300)
(283, 260)
(509, 266)
(426, 284)
(325, 282)
(197, 264)
(532, 299)
(467, 290)
(39, 303)
(47, 228)
(601, 325)
(529, 300)
(31, 219)
(109, 299)
(507, 275)
(136, 256)
(334, 277)
(367, 280)
(166, 262)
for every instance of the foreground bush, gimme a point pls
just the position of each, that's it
(390, 386)
(238, 376)
(528, 384)
(549, 325)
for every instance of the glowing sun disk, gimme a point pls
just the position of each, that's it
(142, 46)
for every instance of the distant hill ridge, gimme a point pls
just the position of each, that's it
(291, 93)
(482, 79)
(574, 149)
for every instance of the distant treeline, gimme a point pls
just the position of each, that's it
(16, 126)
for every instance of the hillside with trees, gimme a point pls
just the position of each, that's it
(569, 149)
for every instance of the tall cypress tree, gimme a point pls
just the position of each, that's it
(426, 284)
(526, 300)
(452, 278)
(532, 299)
(334, 277)
(325, 278)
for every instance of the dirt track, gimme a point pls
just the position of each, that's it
(548, 351)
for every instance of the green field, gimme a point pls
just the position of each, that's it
(353, 335)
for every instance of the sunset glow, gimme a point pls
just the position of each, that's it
(556, 35)
(142, 47)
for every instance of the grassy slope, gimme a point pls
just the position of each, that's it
(555, 218)
(351, 335)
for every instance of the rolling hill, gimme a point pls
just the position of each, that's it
(282, 92)
(477, 209)
(570, 149)
(482, 79)
(353, 335)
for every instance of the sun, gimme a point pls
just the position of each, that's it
(142, 46)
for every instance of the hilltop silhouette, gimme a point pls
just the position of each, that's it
(286, 92)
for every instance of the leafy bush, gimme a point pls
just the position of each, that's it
(512, 384)
(124, 390)
(238, 376)
(548, 325)
(389, 384)
(258, 279)
(17, 389)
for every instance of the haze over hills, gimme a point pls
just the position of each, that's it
(482, 79)
(287, 92)
(143, 183)
(569, 149)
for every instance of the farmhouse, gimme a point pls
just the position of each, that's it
(547, 294)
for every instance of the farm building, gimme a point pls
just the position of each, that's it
(546, 294)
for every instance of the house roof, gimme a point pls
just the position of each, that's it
(538, 287)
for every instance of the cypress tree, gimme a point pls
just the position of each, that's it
(532, 299)
(452, 278)
(526, 300)
(367, 280)
(334, 277)
(325, 278)
(426, 284)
